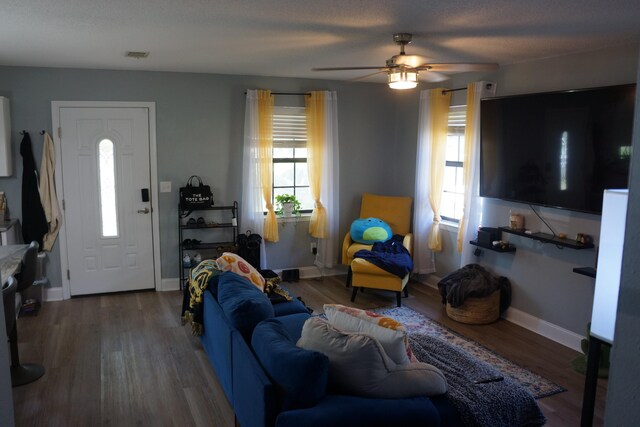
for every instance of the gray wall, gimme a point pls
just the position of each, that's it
(200, 130)
(623, 390)
(200, 125)
(544, 284)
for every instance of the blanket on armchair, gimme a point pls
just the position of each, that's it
(390, 256)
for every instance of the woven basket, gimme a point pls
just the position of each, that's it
(477, 311)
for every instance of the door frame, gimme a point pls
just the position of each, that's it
(153, 164)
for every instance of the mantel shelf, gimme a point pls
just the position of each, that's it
(548, 238)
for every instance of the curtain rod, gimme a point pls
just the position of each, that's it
(289, 93)
(488, 86)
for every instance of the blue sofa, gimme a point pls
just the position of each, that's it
(271, 382)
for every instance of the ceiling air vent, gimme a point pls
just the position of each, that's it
(137, 55)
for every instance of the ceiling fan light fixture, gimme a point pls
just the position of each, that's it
(402, 79)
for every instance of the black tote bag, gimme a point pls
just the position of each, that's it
(195, 195)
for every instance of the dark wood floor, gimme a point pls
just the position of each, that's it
(125, 359)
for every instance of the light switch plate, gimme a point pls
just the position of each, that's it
(165, 186)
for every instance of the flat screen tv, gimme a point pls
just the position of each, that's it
(558, 149)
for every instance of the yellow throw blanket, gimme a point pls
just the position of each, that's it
(194, 293)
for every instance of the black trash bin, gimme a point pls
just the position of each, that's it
(249, 248)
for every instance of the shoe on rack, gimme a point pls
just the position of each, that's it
(197, 259)
(186, 261)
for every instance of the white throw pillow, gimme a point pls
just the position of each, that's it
(391, 334)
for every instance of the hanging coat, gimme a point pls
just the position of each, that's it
(34, 222)
(48, 193)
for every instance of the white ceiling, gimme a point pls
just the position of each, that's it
(289, 37)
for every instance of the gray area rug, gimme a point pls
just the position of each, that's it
(416, 323)
(483, 396)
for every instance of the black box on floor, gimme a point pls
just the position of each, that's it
(292, 275)
(487, 235)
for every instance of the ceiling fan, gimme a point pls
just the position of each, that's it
(402, 70)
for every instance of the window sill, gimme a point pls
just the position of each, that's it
(297, 218)
(449, 226)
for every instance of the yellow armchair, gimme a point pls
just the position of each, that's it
(395, 211)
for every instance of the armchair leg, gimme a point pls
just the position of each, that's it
(353, 294)
(406, 291)
(349, 276)
(399, 298)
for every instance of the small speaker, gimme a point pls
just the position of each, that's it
(487, 235)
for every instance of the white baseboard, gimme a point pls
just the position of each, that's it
(53, 294)
(169, 284)
(534, 324)
(544, 328)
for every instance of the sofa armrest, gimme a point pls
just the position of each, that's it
(407, 242)
(345, 245)
(255, 397)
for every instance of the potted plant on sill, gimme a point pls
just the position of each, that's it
(287, 205)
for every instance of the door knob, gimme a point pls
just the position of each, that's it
(144, 211)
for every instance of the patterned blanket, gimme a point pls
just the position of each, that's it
(483, 396)
(199, 278)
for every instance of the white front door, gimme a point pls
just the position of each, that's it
(108, 222)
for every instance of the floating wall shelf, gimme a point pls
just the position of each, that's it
(510, 248)
(548, 238)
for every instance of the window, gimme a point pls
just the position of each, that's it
(290, 175)
(106, 167)
(452, 204)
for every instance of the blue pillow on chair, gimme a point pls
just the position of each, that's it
(370, 231)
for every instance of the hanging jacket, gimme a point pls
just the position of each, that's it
(48, 193)
(34, 221)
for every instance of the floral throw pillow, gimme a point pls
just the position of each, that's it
(391, 334)
(229, 261)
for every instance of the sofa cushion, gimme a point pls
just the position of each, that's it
(293, 323)
(301, 375)
(359, 365)
(390, 333)
(289, 307)
(229, 261)
(244, 304)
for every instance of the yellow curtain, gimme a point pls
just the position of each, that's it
(469, 138)
(265, 161)
(315, 146)
(439, 118)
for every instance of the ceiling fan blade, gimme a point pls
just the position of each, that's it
(412, 61)
(348, 68)
(367, 76)
(433, 77)
(460, 68)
